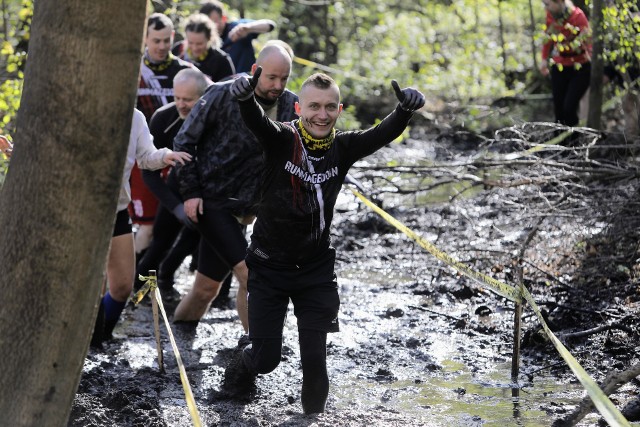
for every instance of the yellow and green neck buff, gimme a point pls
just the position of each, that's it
(160, 66)
(312, 143)
(199, 58)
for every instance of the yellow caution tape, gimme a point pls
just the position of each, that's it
(608, 410)
(151, 285)
(308, 63)
(503, 289)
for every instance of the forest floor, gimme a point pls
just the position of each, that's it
(420, 343)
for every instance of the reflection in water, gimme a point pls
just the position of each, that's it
(459, 398)
(515, 396)
(445, 379)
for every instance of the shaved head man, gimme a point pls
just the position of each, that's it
(220, 188)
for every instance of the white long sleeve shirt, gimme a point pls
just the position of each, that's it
(142, 150)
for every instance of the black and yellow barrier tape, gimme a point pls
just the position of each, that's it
(608, 410)
(308, 63)
(503, 289)
(151, 286)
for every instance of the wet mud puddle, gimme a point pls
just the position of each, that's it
(428, 368)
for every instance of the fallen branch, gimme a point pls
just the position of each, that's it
(434, 312)
(596, 330)
(611, 383)
(553, 304)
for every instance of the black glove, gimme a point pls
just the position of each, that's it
(410, 98)
(178, 212)
(242, 88)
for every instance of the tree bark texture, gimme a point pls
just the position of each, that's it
(58, 202)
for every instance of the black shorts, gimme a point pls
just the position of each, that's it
(312, 288)
(223, 243)
(123, 223)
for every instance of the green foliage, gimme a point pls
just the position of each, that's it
(621, 24)
(348, 120)
(449, 49)
(13, 54)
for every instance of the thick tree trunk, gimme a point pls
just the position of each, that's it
(58, 202)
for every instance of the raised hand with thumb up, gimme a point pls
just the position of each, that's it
(242, 88)
(410, 99)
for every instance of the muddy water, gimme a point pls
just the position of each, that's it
(419, 344)
(435, 372)
(393, 363)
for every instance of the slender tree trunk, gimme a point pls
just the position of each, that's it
(532, 28)
(597, 68)
(305, 27)
(58, 202)
(507, 79)
(5, 23)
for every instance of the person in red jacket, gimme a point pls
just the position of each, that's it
(566, 55)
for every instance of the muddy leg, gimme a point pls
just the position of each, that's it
(315, 380)
(241, 273)
(196, 303)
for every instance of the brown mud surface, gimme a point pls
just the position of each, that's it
(421, 344)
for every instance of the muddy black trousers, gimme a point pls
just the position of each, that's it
(164, 256)
(568, 86)
(264, 355)
(312, 288)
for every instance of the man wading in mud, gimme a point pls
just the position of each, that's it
(290, 256)
(222, 186)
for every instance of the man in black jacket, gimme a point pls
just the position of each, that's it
(221, 188)
(290, 256)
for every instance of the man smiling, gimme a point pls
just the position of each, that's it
(290, 256)
(155, 89)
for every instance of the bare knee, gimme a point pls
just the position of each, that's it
(205, 288)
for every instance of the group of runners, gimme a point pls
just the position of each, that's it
(257, 150)
(222, 144)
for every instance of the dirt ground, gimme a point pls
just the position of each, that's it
(421, 344)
